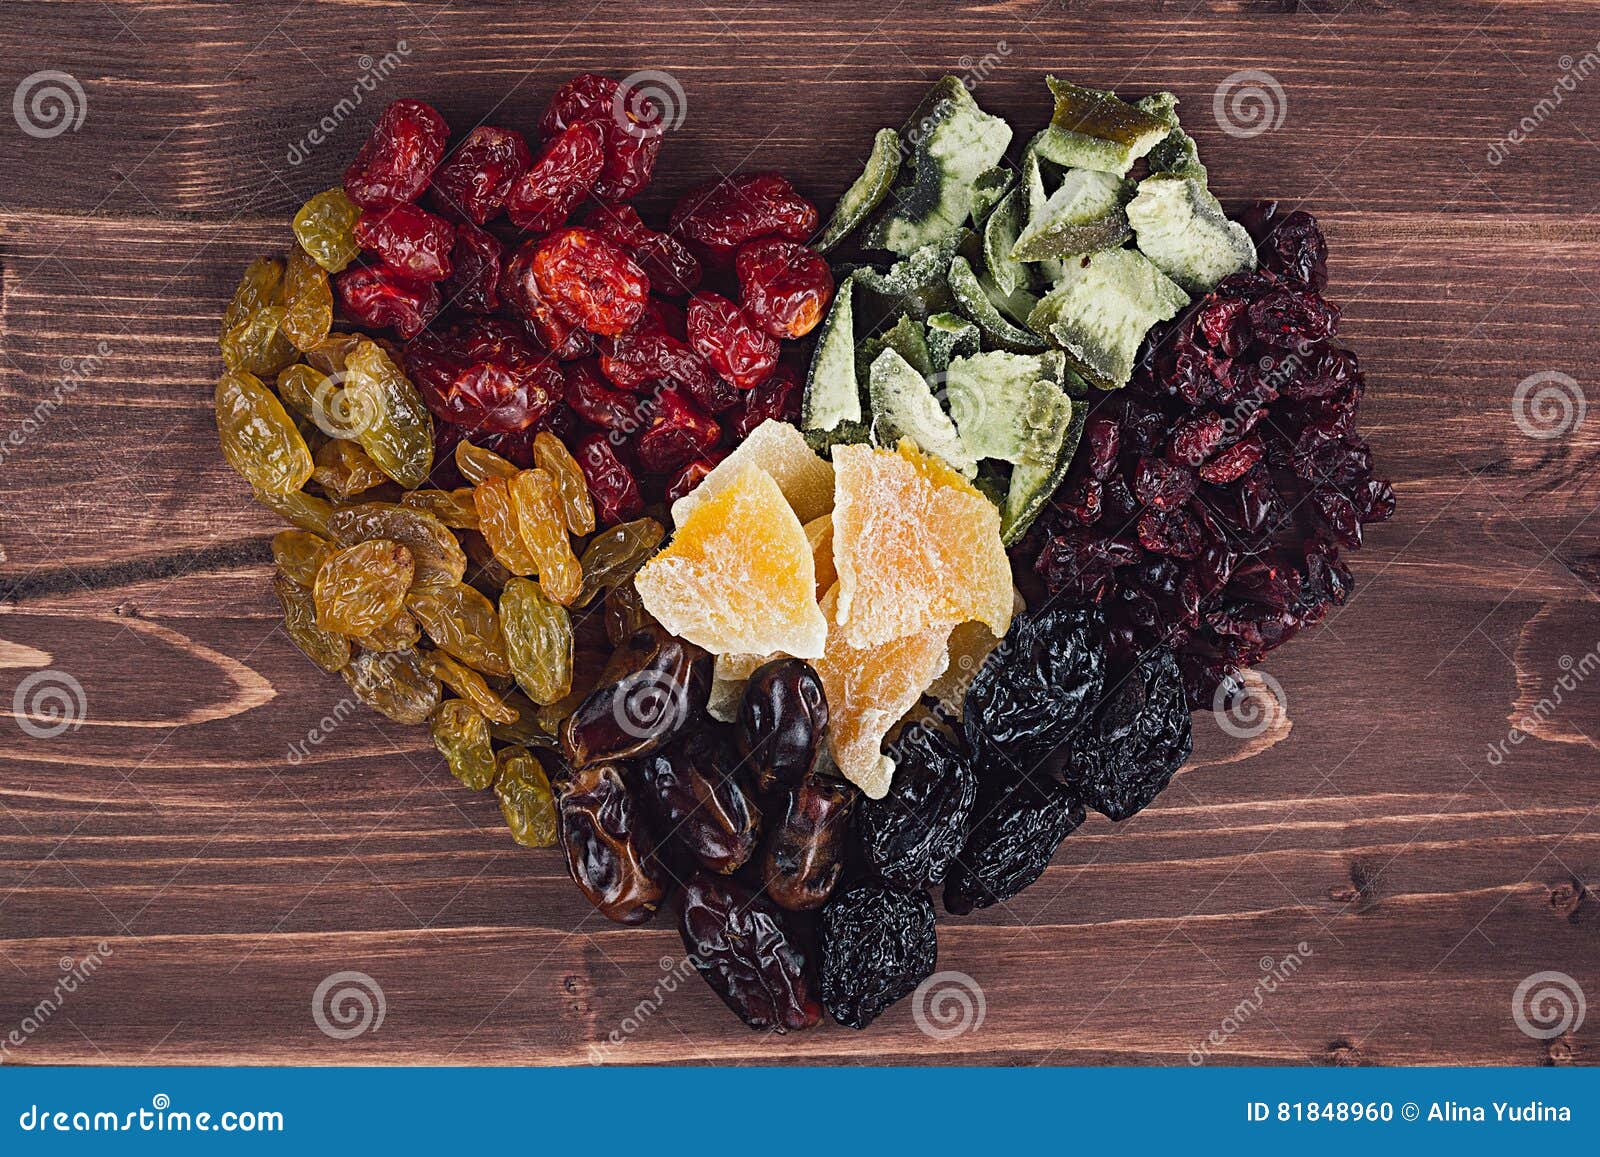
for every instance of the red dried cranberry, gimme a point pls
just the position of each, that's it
(1374, 501)
(784, 286)
(396, 161)
(1102, 440)
(474, 181)
(776, 399)
(611, 484)
(589, 281)
(1161, 484)
(680, 433)
(724, 335)
(1222, 323)
(726, 213)
(1079, 500)
(1233, 462)
(647, 353)
(1294, 248)
(1338, 514)
(543, 197)
(691, 474)
(476, 262)
(1170, 532)
(599, 404)
(411, 241)
(377, 298)
(633, 130)
(482, 377)
(1195, 439)
(1286, 319)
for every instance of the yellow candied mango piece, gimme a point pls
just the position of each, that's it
(738, 576)
(915, 546)
(869, 690)
(778, 448)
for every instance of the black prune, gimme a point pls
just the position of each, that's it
(655, 685)
(805, 853)
(878, 944)
(1016, 830)
(738, 941)
(1139, 735)
(1035, 688)
(909, 837)
(699, 803)
(781, 723)
(610, 855)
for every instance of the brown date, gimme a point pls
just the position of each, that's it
(781, 723)
(804, 854)
(699, 803)
(740, 944)
(656, 684)
(609, 853)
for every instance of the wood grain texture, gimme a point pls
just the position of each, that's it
(228, 872)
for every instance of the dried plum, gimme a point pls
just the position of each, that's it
(877, 944)
(1035, 688)
(1017, 828)
(909, 837)
(740, 943)
(1138, 737)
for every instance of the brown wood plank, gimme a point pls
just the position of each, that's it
(1427, 866)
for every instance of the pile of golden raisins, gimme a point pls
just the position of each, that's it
(451, 607)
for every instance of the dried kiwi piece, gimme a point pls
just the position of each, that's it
(1094, 129)
(1101, 309)
(866, 192)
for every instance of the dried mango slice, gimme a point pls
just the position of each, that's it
(869, 689)
(780, 450)
(819, 533)
(915, 546)
(738, 576)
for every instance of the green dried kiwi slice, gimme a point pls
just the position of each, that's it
(865, 193)
(1102, 307)
(904, 406)
(1093, 129)
(1083, 215)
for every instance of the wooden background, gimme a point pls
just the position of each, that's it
(1423, 880)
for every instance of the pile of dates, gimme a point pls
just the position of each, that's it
(529, 295)
(794, 893)
(1213, 499)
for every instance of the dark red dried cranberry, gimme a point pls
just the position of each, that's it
(411, 241)
(1080, 499)
(1171, 532)
(1195, 439)
(691, 474)
(589, 281)
(1294, 248)
(476, 264)
(380, 299)
(1374, 501)
(396, 161)
(1288, 320)
(1161, 484)
(681, 432)
(726, 337)
(726, 213)
(1233, 462)
(566, 170)
(1101, 440)
(783, 286)
(777, 399)
(600, 405)
(611, 484)
(474, 181)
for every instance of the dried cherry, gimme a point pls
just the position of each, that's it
(724, 335)
(380, 299)
(395, 163)
(783, 286)
(589, 281)
(474, 180)
(543, 197)
(410, 241)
